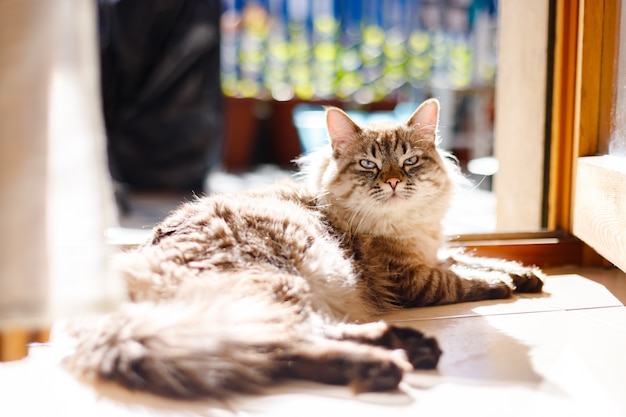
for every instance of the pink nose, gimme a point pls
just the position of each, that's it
(393, 182)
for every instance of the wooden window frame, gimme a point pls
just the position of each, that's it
(584, 194)
(598, 204)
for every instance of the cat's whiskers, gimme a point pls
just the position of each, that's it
(383, 196)
(320, 197)
(478, 184)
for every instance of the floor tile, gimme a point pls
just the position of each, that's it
(513, 305)
(573, 291)
(613, 279)
(613, 317)
(576, 355)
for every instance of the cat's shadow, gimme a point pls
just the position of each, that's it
(483, 343)
(281, 394)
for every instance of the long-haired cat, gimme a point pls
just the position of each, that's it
(233, 292)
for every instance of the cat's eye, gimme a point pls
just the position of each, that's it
(411, 161)
(366, 163)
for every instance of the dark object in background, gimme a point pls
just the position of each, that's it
(161, 91)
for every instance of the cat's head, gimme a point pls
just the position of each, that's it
(387, 167)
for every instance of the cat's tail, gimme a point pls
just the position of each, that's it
(187, 349)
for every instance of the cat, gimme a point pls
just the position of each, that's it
(237, 291)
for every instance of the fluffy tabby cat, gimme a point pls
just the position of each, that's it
(233, 292)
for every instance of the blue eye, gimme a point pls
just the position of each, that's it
(410, 161)
(366, 163)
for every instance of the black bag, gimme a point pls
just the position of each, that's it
(161, 92)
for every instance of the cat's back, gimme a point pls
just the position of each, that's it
(270, 228)
(249, 218)
(273, 232)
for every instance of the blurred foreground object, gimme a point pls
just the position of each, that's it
(55, 198)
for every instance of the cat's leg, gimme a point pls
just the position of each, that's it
(362, 367)
(422, 352)
(452, 282)
(520, 277)
(423, 285)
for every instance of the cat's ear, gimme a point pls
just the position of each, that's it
(425, 119)
(341, 128)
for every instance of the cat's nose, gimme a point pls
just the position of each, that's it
(393, 182)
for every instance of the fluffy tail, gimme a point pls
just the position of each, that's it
(187, 349)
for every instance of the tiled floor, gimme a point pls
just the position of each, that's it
(560, 353)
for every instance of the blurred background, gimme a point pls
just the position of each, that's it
(368, 55)
(209, 96)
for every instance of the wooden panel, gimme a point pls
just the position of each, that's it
(14, 342)
(608, 75)
(588, 77)
(562, 125)
(600, 206)
(541, 249)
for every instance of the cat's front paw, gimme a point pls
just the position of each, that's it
(423, 352)
(498, 290)
(372, 376)
(528, 279)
